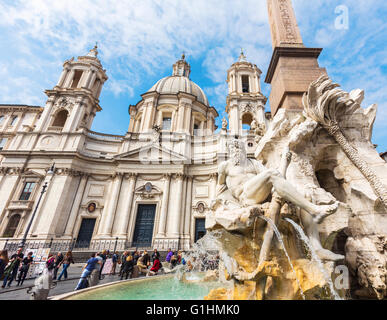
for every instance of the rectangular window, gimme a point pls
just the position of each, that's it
(245, 84)
(13, 121)
(27, 190)
(167, 123)
(3, 141)
(196, 129)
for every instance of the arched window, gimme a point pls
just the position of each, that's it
(12, 226)
(1, 119)
(77, 77)
(60, 119)
(96, 86)
(247, 118)
(245, 84)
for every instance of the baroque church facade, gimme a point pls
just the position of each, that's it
(148, 188)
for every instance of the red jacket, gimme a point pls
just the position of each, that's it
(156, 265)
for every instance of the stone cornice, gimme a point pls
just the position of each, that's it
(20, 108)
(296, 52)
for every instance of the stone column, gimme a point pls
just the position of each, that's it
(75, 209)
(180, 117)
(188, 207)
(109, 212)
(69, 79)
(164, 205)
(176, 213)
(91, 75)
(124, 215)
(52, 207)
(63, 77)
(213, 185)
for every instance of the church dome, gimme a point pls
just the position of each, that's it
(180, 82)
(175, 84)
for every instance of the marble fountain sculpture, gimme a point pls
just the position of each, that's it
(305, 219)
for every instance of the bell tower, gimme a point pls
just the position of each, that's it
(72, 104)
(245, 102)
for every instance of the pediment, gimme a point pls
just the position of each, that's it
(32, 173)
(151, 154)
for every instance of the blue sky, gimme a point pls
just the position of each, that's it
(140, 40)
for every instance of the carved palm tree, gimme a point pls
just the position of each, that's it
(325, 103)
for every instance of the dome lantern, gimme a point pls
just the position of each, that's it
(181, 67)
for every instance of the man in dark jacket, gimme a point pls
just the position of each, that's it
(58, 259)
(15, 262)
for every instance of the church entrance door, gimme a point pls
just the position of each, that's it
(200, 228)
(85, 233)
(143, 230)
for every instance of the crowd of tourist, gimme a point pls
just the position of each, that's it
(18, 265)
(129, 265)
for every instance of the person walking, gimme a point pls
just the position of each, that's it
(67, 260)
(114, 261)
(3, 261)
(11, 270)
(128, 265)
(103, 255)
(27, 261)
(86, 271)
(58, 260)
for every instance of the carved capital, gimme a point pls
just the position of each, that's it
(167, 176)
(179, 176)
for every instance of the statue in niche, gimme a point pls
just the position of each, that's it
(224, 124)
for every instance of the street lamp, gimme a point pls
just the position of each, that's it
(23, 242)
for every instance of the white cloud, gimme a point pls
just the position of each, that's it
(139, 40)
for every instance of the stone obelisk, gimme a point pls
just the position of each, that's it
(293, 66)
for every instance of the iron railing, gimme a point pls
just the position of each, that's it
(77, 246)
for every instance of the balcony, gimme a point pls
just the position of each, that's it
(20, 205)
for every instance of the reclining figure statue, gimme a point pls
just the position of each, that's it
(244, 182)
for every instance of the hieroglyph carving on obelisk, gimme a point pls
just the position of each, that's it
(283, 24)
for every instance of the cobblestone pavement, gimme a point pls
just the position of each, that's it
(63, 286)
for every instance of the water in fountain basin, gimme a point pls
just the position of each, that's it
(279, 237)
(315, 257)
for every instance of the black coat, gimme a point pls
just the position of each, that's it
(155, 254)
(128, 266)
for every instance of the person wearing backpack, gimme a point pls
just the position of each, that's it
(11, 270)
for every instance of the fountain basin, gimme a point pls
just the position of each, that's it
(164, 287)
